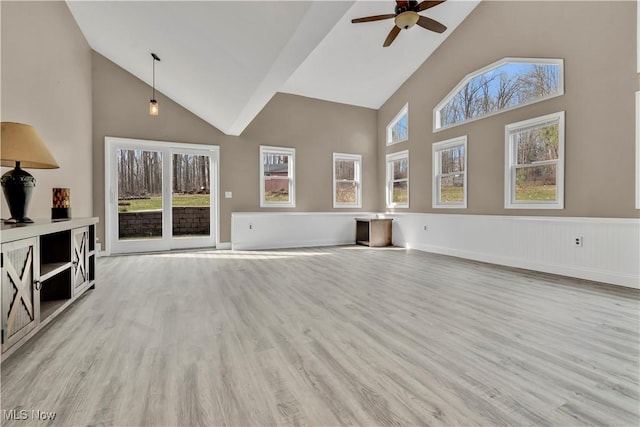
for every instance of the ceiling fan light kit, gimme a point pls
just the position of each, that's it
(406, 16)
(407, 19)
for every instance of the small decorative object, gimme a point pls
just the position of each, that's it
(61, 209)
(22, 146)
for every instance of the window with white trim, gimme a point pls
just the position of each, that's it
(534, 163)
(398, 180)
(398, 128)
(450, 173)
(347, 185)
(501, 86)
(277, 177)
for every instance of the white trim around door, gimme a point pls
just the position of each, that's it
(167, 241)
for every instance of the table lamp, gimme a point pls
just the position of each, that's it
(21, 145)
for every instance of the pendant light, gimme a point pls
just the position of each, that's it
(153, 104)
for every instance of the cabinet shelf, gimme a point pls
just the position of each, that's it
(51, 269)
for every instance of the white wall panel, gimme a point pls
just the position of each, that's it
(293, 229)
(610, 251)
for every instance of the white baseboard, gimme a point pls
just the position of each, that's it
(223, 245)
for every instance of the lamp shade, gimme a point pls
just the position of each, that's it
(22, 143)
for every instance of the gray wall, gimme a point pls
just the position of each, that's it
(46, 82)
(597, 42)
(315, 128)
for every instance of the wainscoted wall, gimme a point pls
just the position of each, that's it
(609, 253)
(257, 230)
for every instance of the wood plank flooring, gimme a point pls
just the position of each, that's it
(331, 336)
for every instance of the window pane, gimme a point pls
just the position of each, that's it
(452, 160)
(139, 194)
(400, 168)
(346, 192)
(400, 192)
(399, 131)
(191, 199)
(536, 183)
(276, 190)
(505, 86)
(536, 144)
(452, 189)
(345, 169)
(276, 164)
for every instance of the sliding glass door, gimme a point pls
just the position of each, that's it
(159, 195)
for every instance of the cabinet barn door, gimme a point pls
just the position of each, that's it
(20, 290)
(79, 257)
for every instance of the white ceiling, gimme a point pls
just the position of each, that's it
(224, 60)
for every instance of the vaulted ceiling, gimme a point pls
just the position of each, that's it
(224, 60)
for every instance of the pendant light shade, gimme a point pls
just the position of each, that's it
(153, 107)
(153, 104)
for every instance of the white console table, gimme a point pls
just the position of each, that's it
(45, 267)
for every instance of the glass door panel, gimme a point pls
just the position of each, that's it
(191, 195)
(139, 179)
(159, 195)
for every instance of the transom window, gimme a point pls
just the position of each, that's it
(347, 188)
(450, 173)
(398, 180)
(398, 128)
(501, 86)
(534, 175)
(277, 177)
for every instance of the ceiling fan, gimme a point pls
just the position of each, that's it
(406, 16)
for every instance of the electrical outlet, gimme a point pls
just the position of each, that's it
(250, 226)
(425, 228)
(578, 242)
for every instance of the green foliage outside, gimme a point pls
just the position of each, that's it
(451, 194)
(155, 202)
(400, 195)
(536, 192)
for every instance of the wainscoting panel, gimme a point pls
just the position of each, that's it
(258, 230)
(609, 250)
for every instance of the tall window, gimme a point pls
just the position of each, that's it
(347, 187)
(501, 86)
(277, 177)
(398, 128)
(450, 173)
(398, 180)
(534, 163)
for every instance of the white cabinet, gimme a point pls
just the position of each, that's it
(45, 267)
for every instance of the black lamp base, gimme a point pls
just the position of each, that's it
(17, 185)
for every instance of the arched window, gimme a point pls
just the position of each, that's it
(501, 86)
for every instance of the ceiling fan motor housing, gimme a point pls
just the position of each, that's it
(403, 6)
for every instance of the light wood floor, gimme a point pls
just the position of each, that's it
(332, 336)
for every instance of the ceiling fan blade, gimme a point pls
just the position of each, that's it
(392, 36)
(428, 5)
(431, 24)
(373, 18)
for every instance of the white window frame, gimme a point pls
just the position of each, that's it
(291, 152)
(404, 111)
(436, 111)
(357, 179)
(389, 187)
(509, 178)
(436, 149)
